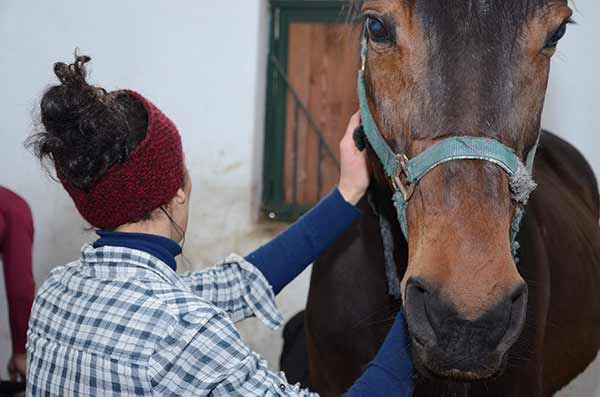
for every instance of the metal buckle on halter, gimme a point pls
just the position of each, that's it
(406, 188)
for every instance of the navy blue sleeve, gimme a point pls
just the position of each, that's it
(390, 373)
(286, 256)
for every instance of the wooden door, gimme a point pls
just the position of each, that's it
(312, 96)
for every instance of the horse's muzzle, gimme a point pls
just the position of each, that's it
(445, 345)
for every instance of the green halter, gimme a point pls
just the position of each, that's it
(405, 173)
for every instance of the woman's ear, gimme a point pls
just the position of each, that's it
(180, 197)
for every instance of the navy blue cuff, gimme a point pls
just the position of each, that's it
(329, 219)
(379, 382)
(286, 256)
(390, 373)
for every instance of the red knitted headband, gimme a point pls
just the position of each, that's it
(148, 179)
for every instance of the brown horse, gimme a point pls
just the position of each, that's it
(480, 324)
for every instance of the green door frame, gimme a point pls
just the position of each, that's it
(284, 12)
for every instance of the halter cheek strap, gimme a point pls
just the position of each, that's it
(406, 173)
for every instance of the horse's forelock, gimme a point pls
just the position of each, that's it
(512, 11)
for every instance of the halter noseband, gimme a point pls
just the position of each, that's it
(406, 173)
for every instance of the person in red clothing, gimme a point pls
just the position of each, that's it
(16, 241)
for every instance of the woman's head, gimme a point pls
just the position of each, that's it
(118, 156)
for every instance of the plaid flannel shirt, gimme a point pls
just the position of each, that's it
(120, 322)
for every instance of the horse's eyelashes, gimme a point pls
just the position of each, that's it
(558, 34)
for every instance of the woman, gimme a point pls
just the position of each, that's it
(16, 246)
(119, 320)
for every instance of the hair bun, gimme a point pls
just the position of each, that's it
(73, 73)
(85, 130)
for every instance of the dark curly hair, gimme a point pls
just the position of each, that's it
(84, 129)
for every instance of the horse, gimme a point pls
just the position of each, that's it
(481, 321)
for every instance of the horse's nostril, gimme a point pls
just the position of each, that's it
(420, 289)
(519, 292)
(518, 311)
(419, 285)
(416, 308)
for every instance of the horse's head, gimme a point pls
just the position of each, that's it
(442, 68)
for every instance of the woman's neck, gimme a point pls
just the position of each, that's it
(156, 227)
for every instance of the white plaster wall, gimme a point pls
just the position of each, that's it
(572, 102)
(203, 62)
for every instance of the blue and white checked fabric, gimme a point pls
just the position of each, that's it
(120, 322)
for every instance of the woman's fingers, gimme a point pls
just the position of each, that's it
(354, 173)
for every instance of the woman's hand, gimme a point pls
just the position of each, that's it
(354, 172)
(17, 367)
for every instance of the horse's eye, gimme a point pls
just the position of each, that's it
(377, 29)
(553, 40)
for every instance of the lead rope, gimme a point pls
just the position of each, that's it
(387, 239)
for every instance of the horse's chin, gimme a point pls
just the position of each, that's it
(431, 368)
(456, 375)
